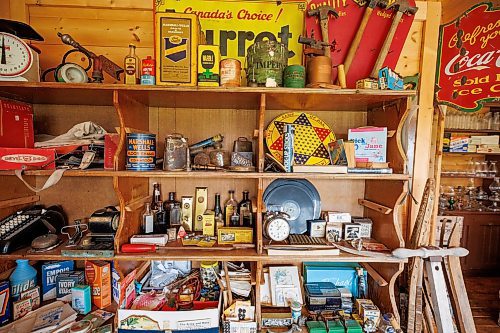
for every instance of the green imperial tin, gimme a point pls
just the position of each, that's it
(294, 76)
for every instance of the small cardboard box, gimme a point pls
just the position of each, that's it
(208, 222)
(334, 231)
(111, 141)
(16, 125)
(235, 235)
(208, 65)
(370, 143)
(50, 271)
(337, 217)
(316, 228)
(176, 42)
(98, 276)
(27, 158)
(81, 299)
(67, 280)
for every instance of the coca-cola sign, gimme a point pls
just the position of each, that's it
(469, 59)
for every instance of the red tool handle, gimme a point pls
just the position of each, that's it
(138, 248)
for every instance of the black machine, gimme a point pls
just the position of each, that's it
(20, 228)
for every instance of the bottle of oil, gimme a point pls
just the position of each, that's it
(132, 66)
(230, 206)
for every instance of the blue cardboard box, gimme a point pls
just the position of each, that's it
(340, 274)
(4, 302)
(50, 271)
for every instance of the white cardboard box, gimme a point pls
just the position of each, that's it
(172, 320)
(370, 143)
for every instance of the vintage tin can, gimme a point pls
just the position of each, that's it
(294, 76)
(230, 73)
(175, 157)
(141, 152)
(288, 153)
(266, 61)
(177, 37)
(208, 65)
(148, 66)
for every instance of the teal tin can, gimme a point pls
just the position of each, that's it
(141, 152)
(294, 76)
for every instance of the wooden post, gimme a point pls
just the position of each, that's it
(426, 103)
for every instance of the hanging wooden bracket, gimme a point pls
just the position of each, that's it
(374, 274)
(375, 206)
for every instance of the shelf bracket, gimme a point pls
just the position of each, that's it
(375, 206)
(374, 274)
(137, 203)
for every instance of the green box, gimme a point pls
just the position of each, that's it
(352, 326)
(335, 326)
(316, 327)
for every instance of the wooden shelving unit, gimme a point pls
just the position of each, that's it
(474, 131)
(199, 113)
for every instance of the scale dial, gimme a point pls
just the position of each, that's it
(15, 56)
(276, 228)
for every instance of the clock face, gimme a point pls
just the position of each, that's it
(278, 229)
(15, 56)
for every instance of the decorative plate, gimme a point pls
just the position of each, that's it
(312, 136)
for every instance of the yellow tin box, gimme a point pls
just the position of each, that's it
(176, 42)
(208, 65)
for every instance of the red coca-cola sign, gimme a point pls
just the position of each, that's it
(469, 59)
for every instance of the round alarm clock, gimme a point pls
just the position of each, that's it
(276, 226)
(15, 56)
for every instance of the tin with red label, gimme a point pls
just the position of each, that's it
(148, 66)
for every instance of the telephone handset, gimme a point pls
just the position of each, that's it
(20, 228)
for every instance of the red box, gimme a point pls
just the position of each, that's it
(27, 158)
(110, 145)
(16, 124)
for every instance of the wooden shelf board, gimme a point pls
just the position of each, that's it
(463, 176)
(189, 97)
(352, 176)
(342, 257)
(469, 154)
(210, 174)
(483, 131)
(194, 254)
(466, 212)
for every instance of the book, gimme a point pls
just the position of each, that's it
(370, 170)
(48, 319)
(336, 169)
(337, 152)
(303, 252)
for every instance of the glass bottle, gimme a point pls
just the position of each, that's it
(160, 222)
(219, 216)
(230, 206)
(493, 170)
(234, 220)
(156, 201)
(132, 66)
(147, 220)
(495, 195)
(168, 206)
(176, 215)
(245, 211)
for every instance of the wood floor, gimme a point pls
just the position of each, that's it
(485, 302)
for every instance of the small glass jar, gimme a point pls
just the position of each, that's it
(175, 157)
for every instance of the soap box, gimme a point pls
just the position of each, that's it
(80, 299)
(316, 228)
(67, 280)
(98, 276)
(370, 143)
(4, 302)
(50, 271)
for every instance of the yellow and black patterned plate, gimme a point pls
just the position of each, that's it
(312, 136)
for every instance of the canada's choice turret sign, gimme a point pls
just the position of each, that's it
(234, 25)
(468, 72)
